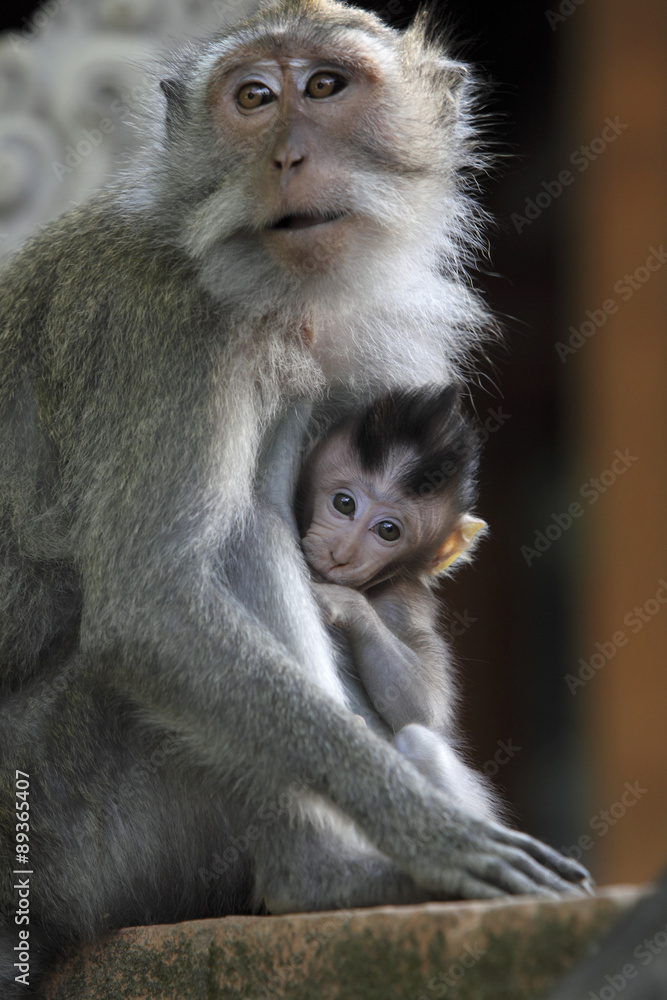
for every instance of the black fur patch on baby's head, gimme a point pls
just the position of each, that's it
(441, 446)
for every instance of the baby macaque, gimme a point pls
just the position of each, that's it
(384, 505)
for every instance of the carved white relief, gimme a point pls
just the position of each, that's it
(72, 84)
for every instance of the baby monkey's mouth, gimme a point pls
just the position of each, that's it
(305, 220)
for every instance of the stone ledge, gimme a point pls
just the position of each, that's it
(510, 949)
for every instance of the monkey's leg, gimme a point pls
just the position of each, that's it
(257, 714)
(319, 862)
(438, 761)
(41, 951)
(127, 825)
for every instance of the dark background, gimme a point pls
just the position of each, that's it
(512, 654)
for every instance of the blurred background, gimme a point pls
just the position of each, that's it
(560, 625)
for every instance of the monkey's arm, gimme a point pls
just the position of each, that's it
(192, 651)
(402, 661)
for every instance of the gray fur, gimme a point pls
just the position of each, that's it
(389, 649)
(166, 680)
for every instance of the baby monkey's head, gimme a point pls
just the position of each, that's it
(389, 491)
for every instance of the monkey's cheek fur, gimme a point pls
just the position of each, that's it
(311, 250)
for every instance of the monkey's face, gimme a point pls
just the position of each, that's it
(293, 119)
(362, 527)
(327, 159)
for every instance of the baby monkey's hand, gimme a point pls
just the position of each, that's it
(340, 606)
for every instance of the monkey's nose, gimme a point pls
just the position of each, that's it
(288, 155)
(342, 553)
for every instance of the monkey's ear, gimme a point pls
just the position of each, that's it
(454, 74)
(174, 91)
(465, 534)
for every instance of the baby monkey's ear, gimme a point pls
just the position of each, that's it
(458, 543)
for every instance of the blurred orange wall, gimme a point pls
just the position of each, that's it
(618, 268)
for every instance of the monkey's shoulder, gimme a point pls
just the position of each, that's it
(97, 285)
(92, 251)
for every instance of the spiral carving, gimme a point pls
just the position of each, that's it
(71, 83)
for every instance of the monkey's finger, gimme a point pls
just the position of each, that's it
(327, 612)
(540, 875)
(327, 609)
(504, 874)
(567, 868)
(472, 888)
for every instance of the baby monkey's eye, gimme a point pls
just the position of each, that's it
(325, 84)
(254, 95)
(343, 503)
(389, 531)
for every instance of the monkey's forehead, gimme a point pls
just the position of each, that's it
(350, 47)
(316, 21)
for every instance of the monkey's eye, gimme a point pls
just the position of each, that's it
(254, 95)
(388, 531)
(343, 503)
(325, 84)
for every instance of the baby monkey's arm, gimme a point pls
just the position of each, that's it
(400, 658)
(404, 665)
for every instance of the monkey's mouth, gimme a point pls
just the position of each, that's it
(305, 220)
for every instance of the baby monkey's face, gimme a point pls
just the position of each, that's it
(362, 525)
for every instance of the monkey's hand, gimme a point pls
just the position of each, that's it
(483, 859)
(340, 606)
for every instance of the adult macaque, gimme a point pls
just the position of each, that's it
(384, 506)
(294, 236)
